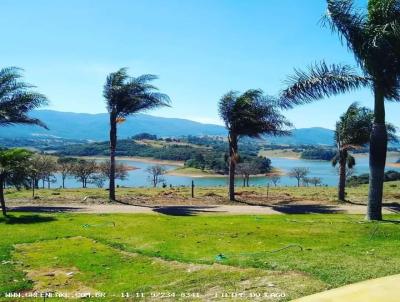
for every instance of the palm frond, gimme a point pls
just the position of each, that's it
(21, 119)
(350, 161)
(335, 159)
(226, 107)
(252, 114)
(354, 127)
(343, 19)
(127, 95)
(392, 131)
(16, 99)
(321, 80)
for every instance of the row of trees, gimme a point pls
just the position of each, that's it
(43, 167)
(22, 168)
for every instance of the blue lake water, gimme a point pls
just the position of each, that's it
(322, 169)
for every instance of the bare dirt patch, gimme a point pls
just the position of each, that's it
(58, 280)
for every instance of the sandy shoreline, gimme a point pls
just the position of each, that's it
(193, 175)
(178, 164)
(148, 160)
(394, 165)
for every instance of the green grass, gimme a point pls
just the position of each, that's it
(157, 253)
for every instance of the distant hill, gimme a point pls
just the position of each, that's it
(306, 136)
(87, 126)
(84, 126)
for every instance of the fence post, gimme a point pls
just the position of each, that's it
(192, 188)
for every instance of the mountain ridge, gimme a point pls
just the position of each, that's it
(94, 127)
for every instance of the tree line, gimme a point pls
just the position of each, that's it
(210, 154)
(24, 169)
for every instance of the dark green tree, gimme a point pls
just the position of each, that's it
(125, 96)
(17, 99)
(14, 170)
(373, 37)
(249, 114)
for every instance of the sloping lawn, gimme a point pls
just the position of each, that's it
(200, 256)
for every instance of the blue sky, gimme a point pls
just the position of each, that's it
(200, 49)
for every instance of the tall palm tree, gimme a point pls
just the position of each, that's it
(17, 99)
(353, 131)
(374, 40)
(249, 114)
(125, 96)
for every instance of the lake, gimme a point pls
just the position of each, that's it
(322, 169)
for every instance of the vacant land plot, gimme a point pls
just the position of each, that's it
(203, 195)
(193, 257)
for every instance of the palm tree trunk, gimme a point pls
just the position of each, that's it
(377, 159)
(2, 201)
(33, 187)
(113, 145)
(342, 175)
(232, 164)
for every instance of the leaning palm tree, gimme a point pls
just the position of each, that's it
(125, 96)
(17, 99)
(374, 39)
(249, 114)
(352, 132)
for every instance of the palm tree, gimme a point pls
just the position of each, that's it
(125, 96)
(373, 39)
(249, 114)
(353, 131)
(17, 99)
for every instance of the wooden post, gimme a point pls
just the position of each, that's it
(192, 188)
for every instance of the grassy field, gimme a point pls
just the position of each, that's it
(200, 256)
(203, 195)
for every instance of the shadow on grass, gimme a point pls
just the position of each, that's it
(26, 219)
(43, 209)
(393, 207)
(184, 210)
(307, 209)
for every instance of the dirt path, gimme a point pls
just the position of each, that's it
(197, 210)
(376, 290)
